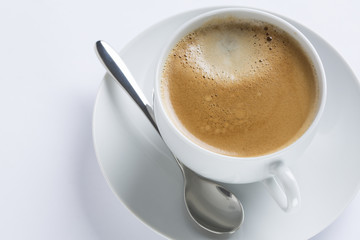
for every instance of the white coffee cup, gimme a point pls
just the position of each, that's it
(271, 169)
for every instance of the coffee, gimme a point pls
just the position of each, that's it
(239, 87)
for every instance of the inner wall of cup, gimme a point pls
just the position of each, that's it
(246, 14)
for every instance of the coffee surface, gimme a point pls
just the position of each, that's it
(239, 88)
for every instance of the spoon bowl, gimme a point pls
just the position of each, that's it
(209, 204)
(226, 214)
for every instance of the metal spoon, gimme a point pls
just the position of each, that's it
(210, 205)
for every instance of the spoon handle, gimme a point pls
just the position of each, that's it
(118, 70)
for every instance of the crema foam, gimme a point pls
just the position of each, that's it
(239, 87)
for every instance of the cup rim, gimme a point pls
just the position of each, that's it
(279, 22)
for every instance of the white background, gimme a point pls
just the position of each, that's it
(51, 186)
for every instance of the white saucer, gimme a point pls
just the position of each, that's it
(143, 175)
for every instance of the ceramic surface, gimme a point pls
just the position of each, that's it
(141, 172)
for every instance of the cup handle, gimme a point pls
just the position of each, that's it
(283, 187)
